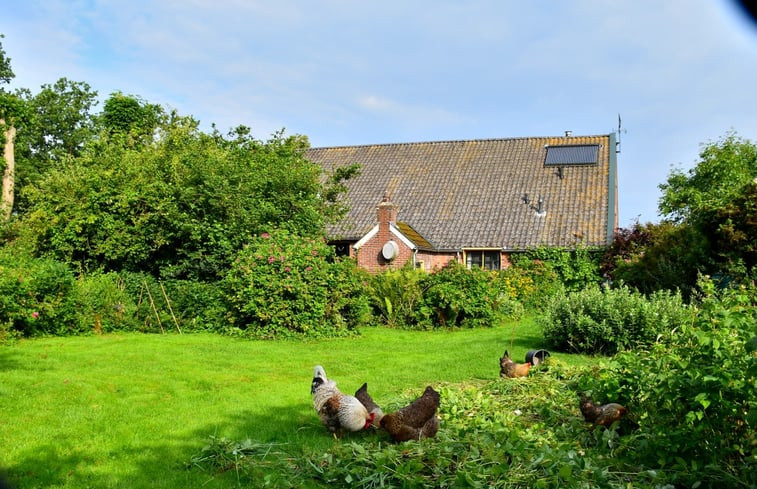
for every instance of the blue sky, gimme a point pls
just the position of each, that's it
(680, 73)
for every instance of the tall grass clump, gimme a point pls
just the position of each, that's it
(606, 321)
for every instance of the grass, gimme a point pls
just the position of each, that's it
(130, 410)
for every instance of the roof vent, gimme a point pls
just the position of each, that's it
(540, 208)
(568, 134)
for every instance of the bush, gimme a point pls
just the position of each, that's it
(457, 297)
(282, 285)
(198, 306)
(694, 394)
(554, 268)
(104, 305)
(606, 321)
(35, 296)
(655, 257)
(396, 297)
(531, 283)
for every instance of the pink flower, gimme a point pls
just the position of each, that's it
(307, 269)
(287, 269)
(314, 252)
(265, 236)
(271, 259)
(35, 314)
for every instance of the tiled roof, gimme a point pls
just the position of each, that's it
(461, 194)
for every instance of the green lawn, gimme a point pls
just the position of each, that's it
(129, 410)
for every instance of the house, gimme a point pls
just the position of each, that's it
(475, 201)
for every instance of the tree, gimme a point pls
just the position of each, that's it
(9, 107)
(58, 124)
(6, 73)
(717, 200)
(131, 116)
(725, 168)
(180, 207)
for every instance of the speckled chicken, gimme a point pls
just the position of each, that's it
(416, 420)
(362, 395)
(510, 369)
(338, 412)
(604, 415)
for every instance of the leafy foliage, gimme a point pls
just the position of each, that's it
(132, 116)
(36, 296)
(574, 269)
(104, 305)
(457, 297)
(451, 297)
(397, 295)
(6, 72)
(57, 124)
(179, 208)
(610, 320)
(662, 256)
(694, 394)
(725, 167)
(282, 285)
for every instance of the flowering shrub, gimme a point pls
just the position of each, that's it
(283, 285)
(35, 296)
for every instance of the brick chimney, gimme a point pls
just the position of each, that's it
(387, 214)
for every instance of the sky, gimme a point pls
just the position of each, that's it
(678, 73)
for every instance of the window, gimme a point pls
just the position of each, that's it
(342, 248)
(486, 259)
(574, 154)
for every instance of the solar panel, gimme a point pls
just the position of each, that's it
(574, 154)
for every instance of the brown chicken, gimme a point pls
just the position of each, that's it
(604, 415)
(416, 420)
(362, 395)
(338, 412)
(510, 369)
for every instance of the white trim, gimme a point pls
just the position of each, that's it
(366, 238)
(395, 231)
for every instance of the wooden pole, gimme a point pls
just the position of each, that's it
(169, 307)
(152, 303)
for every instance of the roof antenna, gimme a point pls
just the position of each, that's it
(526, 200)
(620, 131)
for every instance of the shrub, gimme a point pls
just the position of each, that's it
(198, 306)
(573, 269)
(283, 285)
(606, 321)
(35, 296)
(103, 304)
(397, 297)
(655, 257)
(693, 394)
(457, 297)
(531, 283)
